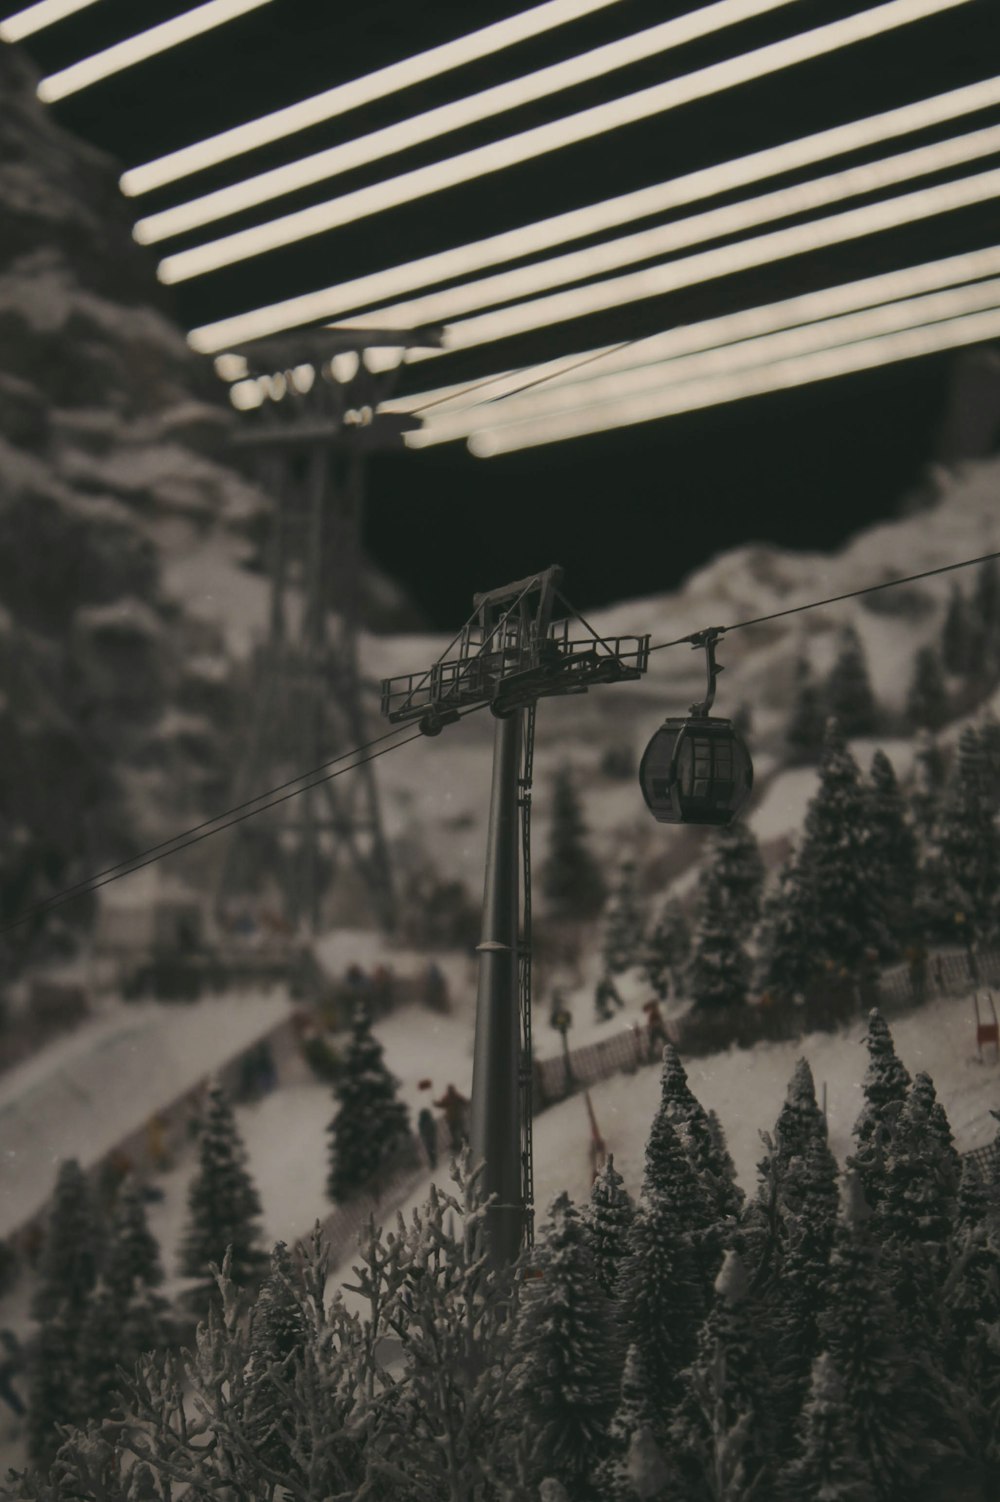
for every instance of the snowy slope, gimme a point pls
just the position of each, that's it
(85, 1092)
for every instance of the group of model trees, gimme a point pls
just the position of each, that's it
(877, 874)
(97, 1302)
(947, 676)
(692, 1345)
(845, 693)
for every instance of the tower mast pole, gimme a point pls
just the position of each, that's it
(495, 1135)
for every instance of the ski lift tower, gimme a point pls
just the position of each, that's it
(509, 654)
(312, 424)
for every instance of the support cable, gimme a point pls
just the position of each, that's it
(244, 810)
(850, 594)
(201, 831)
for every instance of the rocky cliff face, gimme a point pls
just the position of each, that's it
(117, 714)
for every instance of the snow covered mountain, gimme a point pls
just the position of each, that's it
(118, 705)
(440, 789)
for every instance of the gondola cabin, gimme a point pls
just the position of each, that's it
(696, 771)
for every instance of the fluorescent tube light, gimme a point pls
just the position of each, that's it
(145, 44)
(611, 255)
(868, 354)
(377, 287)
(710, 333)
(550, 401)
(322, 165)
(351, 96)
(578, 302)
(24, 23)
(544, 138)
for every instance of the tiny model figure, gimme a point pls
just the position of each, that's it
(455, 1108)
(427, 1128)
(656, 1027)
(604, 995)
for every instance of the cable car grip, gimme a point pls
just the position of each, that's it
(707, 639)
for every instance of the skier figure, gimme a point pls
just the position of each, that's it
(435, 988)
(427, 1128)
(605, 994)
(455, 1107)
(656, 1027)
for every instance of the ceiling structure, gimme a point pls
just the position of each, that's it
(594, 198)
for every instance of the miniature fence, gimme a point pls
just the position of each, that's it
(342, 1227)
(944, 970)
(897, 988)
(987, 1160)
(274, 1058)
(591, 1062)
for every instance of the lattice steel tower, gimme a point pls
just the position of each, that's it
(308, 439)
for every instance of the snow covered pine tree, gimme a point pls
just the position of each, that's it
(371, 1127)
(223, 1207)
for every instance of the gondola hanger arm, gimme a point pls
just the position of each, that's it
(707, 639)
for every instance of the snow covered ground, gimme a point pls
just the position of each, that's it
(82, 1094)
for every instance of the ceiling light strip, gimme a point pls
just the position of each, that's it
(907, 344)
(655, 281)
(358, 92)
(144, 45)
(463, 260)
(571, 129)
(551, 401)
(513, 94)
(663, 239)
(24, 23)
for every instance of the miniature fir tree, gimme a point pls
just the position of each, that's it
(885, 1088)
(100, 1354)
(800, 1118)
(848, 690)
(985, 618)
(571, 879)
(859, 1330)
(669, 1169)
(661, 1295)
(915, 1214)
(54, 1381)
(956, 636)
(735, 860)
(223, 1205)
(634, 1468)
(962, 880)
(702, 1138)
(133, 1258)
(840, 920)
(804, 735)
(567, 1365)
(722, 1429)
(719, 972)
(785, 965)
(828, 1464)
(893, 854)
(927, 696)
(807, 1202)
(927, 787)
(371, 1125)
(71, 1252)
(668, 950)
(989, 745)
(607, 1218)
(623, 946)
(971, 1302)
